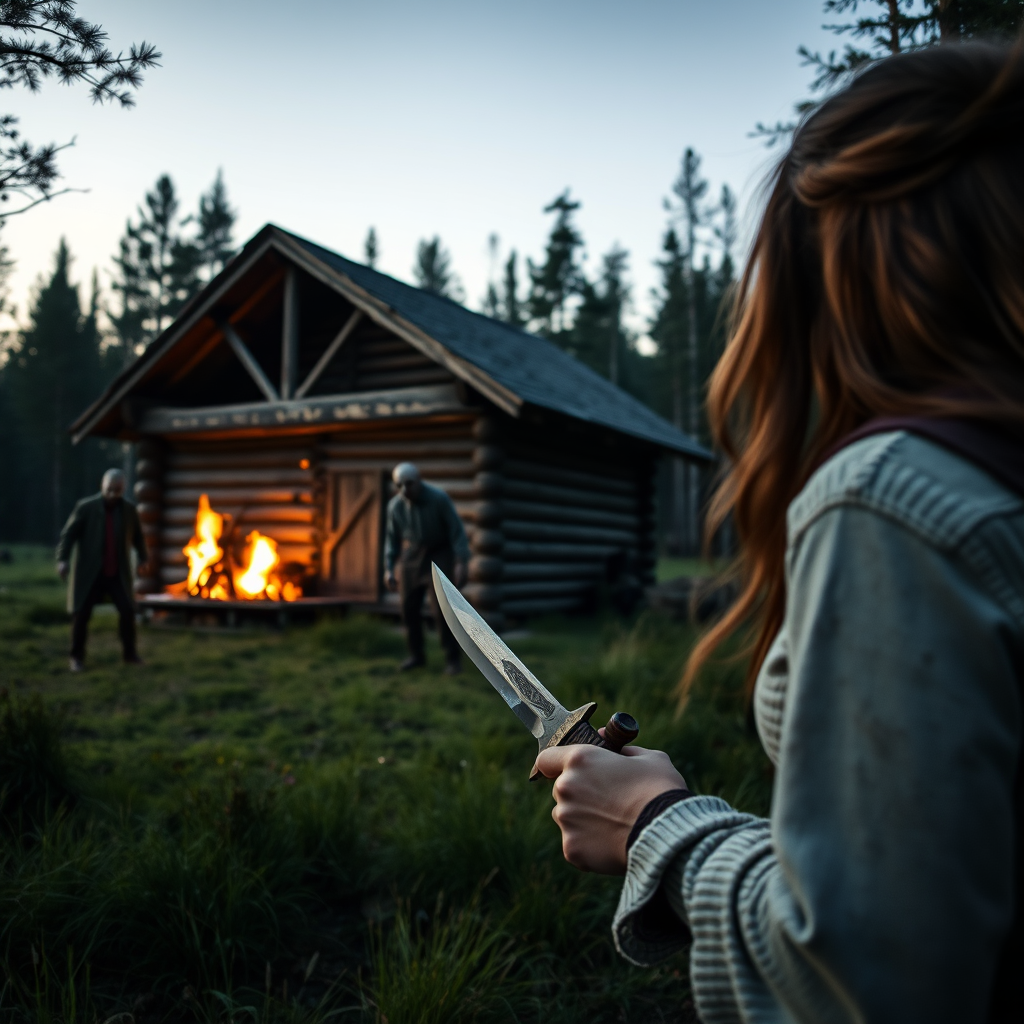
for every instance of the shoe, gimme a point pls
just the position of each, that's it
(76, 665)
(453, 668)
(133, 660)
(412, 662)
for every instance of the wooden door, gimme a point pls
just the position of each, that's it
(350, 563)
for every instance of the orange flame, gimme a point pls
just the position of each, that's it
(203, 552)
(208, 575)
(254, 580)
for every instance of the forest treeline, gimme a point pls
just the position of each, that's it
(71, 347)
(68, 348)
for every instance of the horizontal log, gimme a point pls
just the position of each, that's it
(486, 542)
(226, 458)
(305, 554)
(402, 378)
(483, 595)
(232, 499)
(517, 529)
(485, 569)
(524, 469)
(430, 469)
(541, 606)
(544, 588)
(537, 551)
(181, 535)
(248, 477)
(382, 343)
(375, 360)
(399, 450)
(483, 485)
(516, 572)
(480, 513)
(488, 456)
(148, 469)
(574, 496)
(326, 411)
(149, 512)
(147, 491)
(544, 513)
(186, 515)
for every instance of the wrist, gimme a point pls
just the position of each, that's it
(654, 808)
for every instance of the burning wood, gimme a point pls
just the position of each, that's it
(217, 575)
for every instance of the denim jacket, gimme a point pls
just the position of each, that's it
(886, 882)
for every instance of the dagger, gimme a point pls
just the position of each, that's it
(531, 702)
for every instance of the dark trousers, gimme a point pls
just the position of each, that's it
(112, 587)
(415, 582)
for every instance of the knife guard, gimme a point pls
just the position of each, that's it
(620, 730)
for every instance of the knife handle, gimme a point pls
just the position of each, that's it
(620, 730)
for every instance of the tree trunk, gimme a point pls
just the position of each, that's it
(894, 26)
(692, 539)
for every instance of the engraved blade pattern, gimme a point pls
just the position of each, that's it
(529, 700)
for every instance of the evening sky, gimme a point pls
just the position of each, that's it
(453, 117)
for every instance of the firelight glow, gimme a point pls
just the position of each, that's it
(208, 565)
(263, 558)
(203, 552)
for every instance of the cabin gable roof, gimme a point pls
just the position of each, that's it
(510, 367)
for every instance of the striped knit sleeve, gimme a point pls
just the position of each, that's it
(882, 887)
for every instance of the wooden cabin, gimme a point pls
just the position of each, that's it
(292, 384)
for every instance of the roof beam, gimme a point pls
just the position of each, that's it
(331, 351)
(379, 311)
(248, 360)
(290, 334)
(325, 412)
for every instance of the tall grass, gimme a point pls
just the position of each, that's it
(260, 829)
(451, 968)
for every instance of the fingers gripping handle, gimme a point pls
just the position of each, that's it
(621, 729)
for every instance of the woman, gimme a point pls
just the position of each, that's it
(883, 562)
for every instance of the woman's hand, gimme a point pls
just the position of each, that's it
(598, 797)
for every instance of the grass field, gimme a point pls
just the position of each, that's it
(263, 825)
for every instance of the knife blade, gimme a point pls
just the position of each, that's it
(530, 701)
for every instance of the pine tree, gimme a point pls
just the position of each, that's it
(491, 304)
(54, 374)
(216, 220)
(690, 189)
(371, 249)
(598, 336)
(40, 39)
(881, 28)
(511, 306)
(433, 271)
(553, 282)
(159, 269)
(160, 266)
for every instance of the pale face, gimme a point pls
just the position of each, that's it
(112, 487)
(407, 480)
(409, 489)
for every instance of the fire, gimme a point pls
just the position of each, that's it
(214, 575)
(203, 552)
(253, 581)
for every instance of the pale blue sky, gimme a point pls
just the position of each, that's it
(451, 117)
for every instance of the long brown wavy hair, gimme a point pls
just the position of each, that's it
(886, 277)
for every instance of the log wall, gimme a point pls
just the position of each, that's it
(264, 485)
(565, 520)
(149, 469)
(551, 519)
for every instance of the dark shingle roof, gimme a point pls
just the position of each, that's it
(531, 367)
